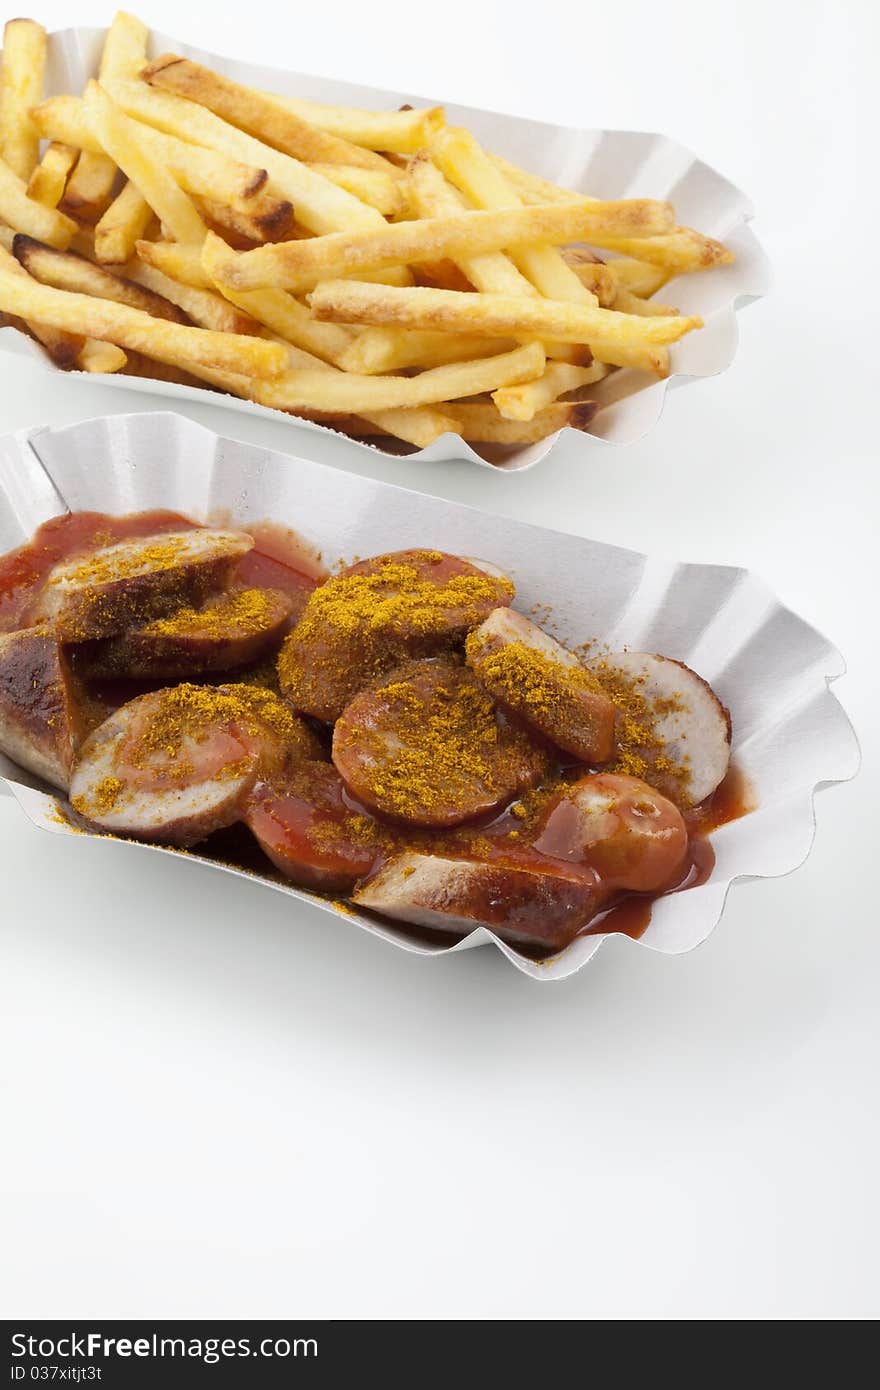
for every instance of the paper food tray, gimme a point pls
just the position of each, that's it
(604, 163)
(771, 668)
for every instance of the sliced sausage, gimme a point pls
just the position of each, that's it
(631, 836)
(375, 615)
(229, 631)
(427, 745)
(528, 906)
(311, 833)
(41, 720)
(672, 729)
(137, 581)
(532, 674)
(177, 764)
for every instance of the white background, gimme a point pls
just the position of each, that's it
(218, 1103)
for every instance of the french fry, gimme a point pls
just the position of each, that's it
(175, 343)
(64, 270)
(46, 183)
(598, 278)
(100, 357)
(198, 170)
(125, 48)
(264, 218)
(275, 309)
(119, 135)
(373, 186)
(532, 188)
(63, 347)
(379, 350)
(471, 169)
(300, 264)
(618, 339)
(432, 196)
(528, 400)
(89, 189)
(401, 132)
(629, 303)
(283, 314)
(320, 205)
(336, 392)
(639, 277)
(204, 307)
(23, 214)
(481, 424)
(682, 251)
(126, 219)
(256, 113)
(21, 87)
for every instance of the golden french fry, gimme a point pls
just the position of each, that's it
(681, 251)
(63, 347)
(379, 350)
(275, 309)
(300, 264)
(401, 132)
(343, 392)
(266, 218)
(419, 426)
(100, 357)
(532, 188)
(21, 87)
(639, 277)
(89, 189)
(198, 170)
(481, 424)
(25, 215)
(598, 278)
(175, 343)
(119, 135)
(615, 338)
(256, 113)
(431, 196)
(526, 401)
(204, 307)
(46, 183)
(471, 169)
(629, 303)
(373, 186)
(64, 270)
(117, 232)
(125, 48)
(320, 205)
(291, 320)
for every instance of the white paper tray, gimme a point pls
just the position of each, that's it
(770, 667)
(605, 163)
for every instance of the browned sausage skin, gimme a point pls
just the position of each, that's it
(540, 906)
(40, 719)
(375, 615)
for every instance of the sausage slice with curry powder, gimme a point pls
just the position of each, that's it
(378, 613)
(545, 684)
(137, 581)
(427, 745)
(228, 632)
(177, 764)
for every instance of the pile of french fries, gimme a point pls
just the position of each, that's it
(378, 271)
